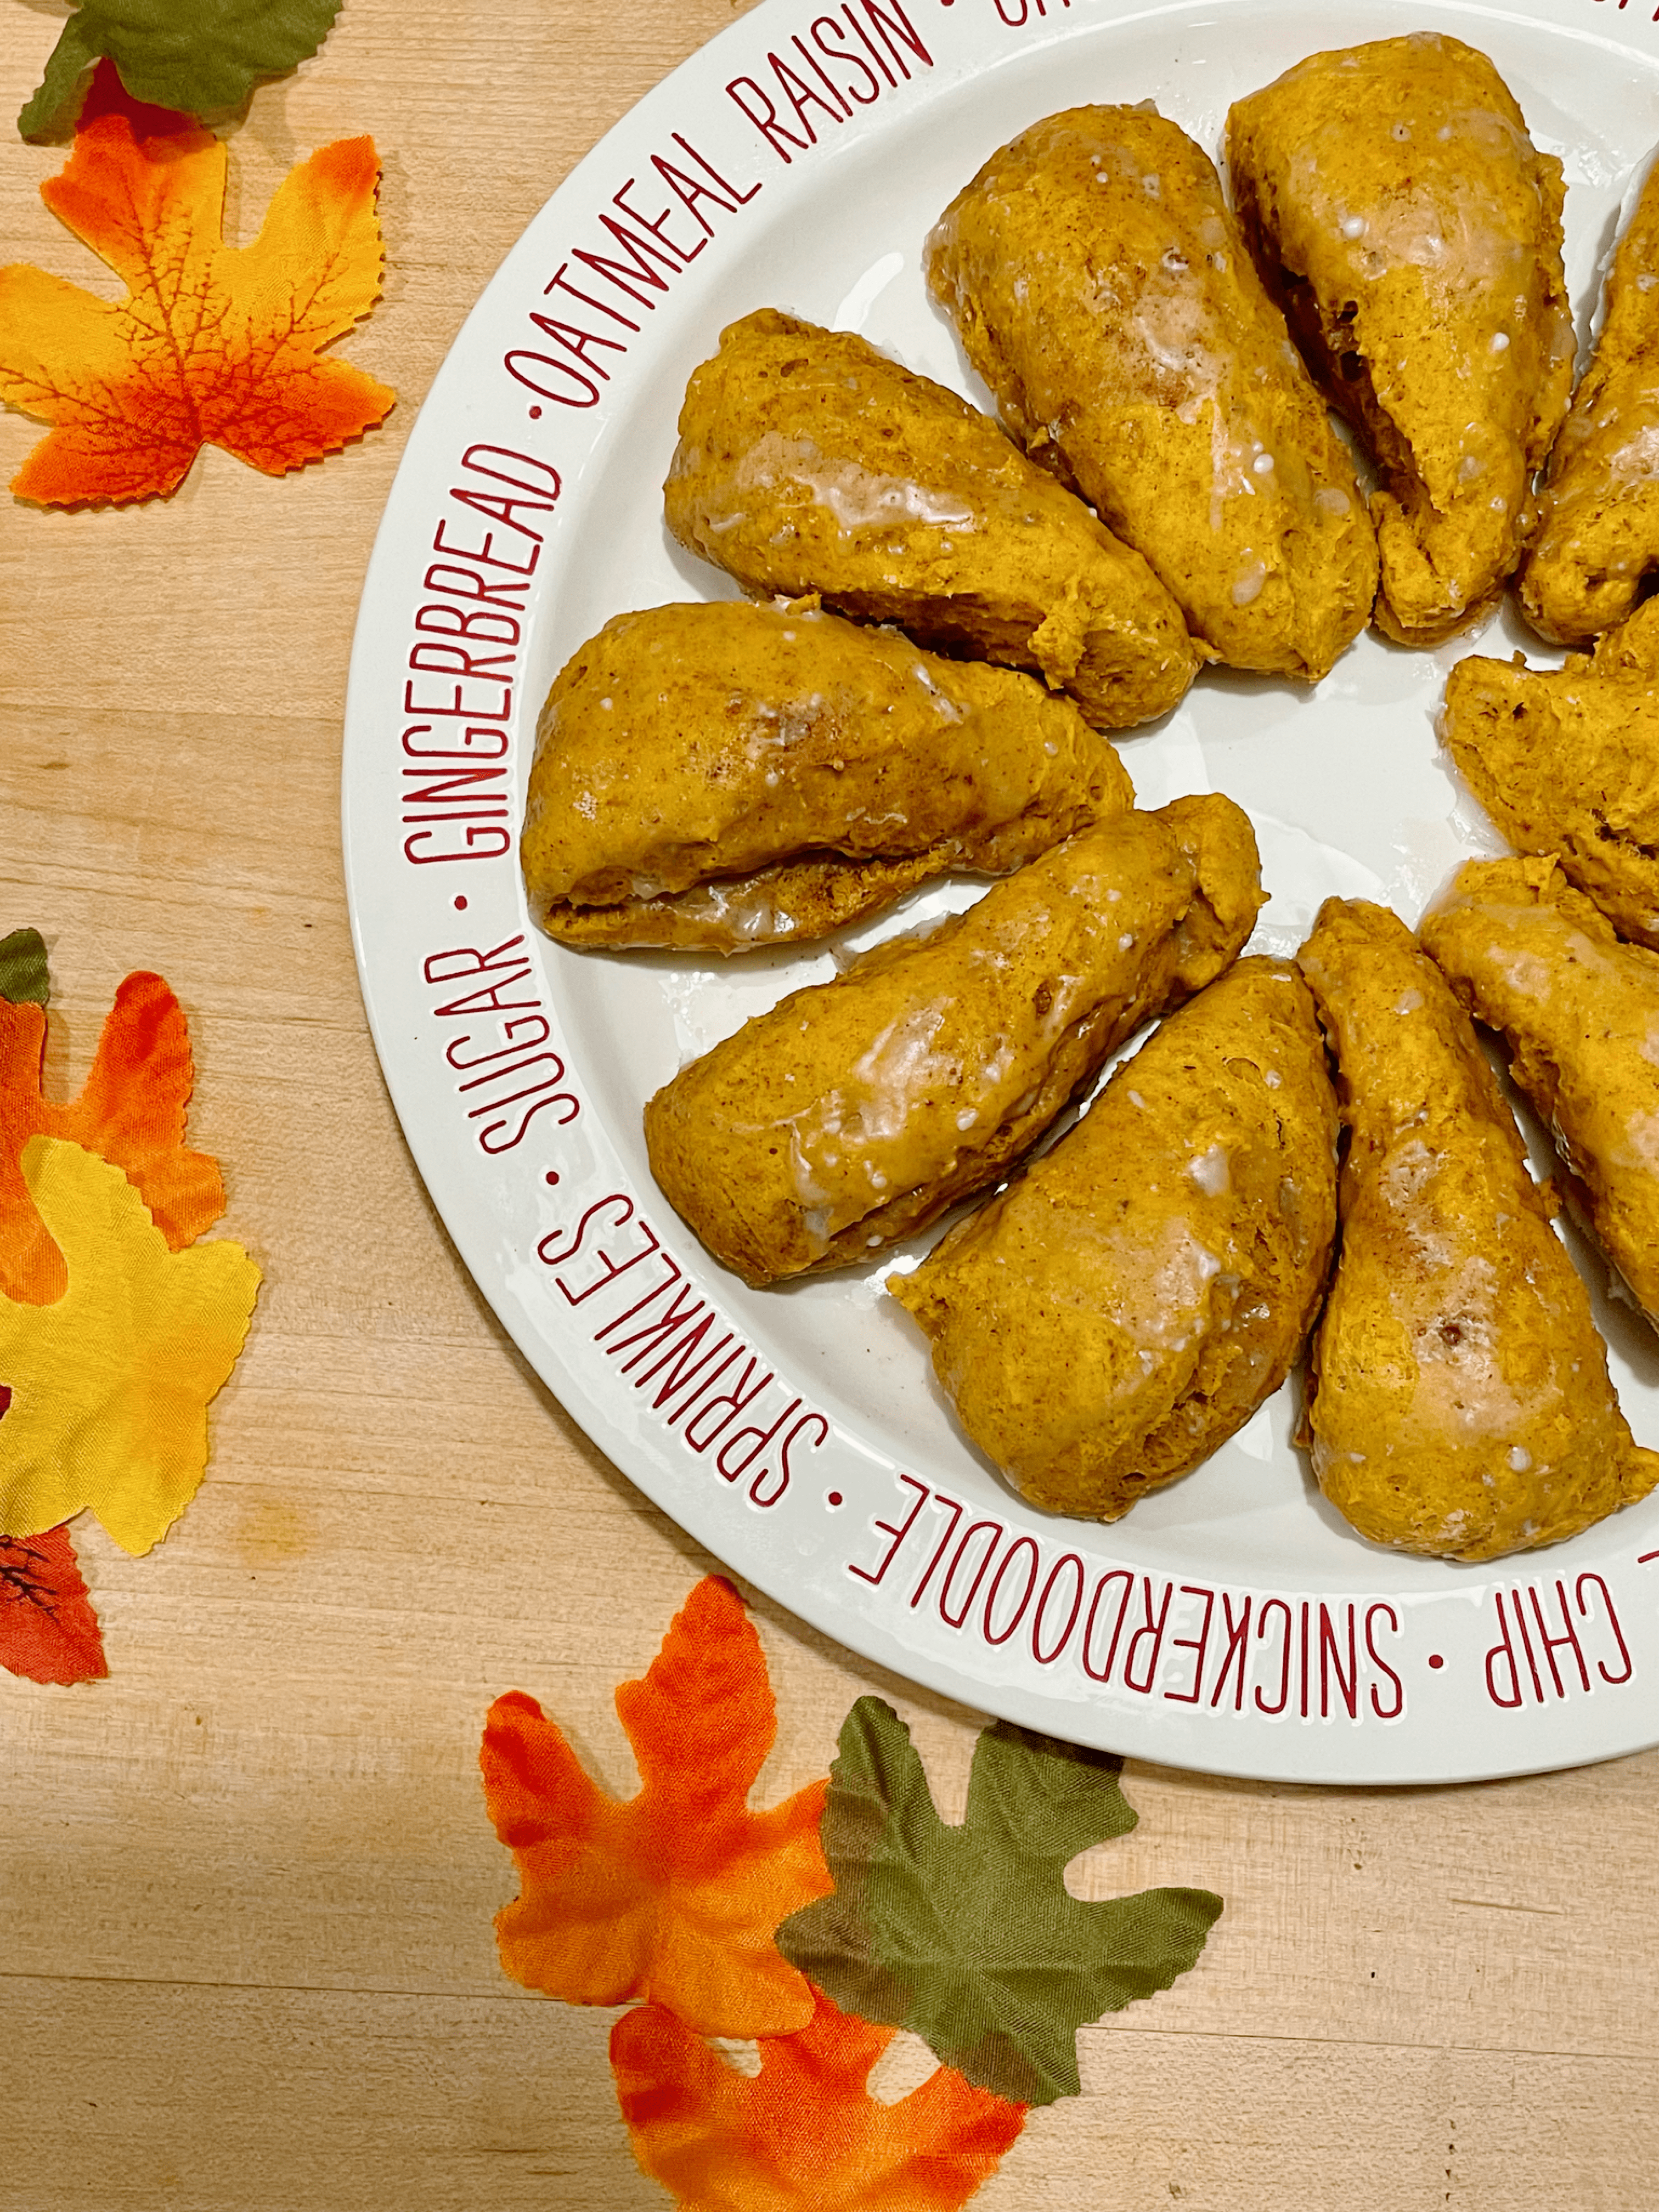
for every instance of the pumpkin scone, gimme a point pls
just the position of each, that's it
(1099, 285)
(809, 463)
(719, 776)
(1598, 533)
(1530, 956)
(856, 1111)
(1567, 762)
(1459, 1403)
(1397, 208)
(1106, 1321)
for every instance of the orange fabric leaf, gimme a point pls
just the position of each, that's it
(804, 2135)
(130, 1112)
(213, 344)
(674, 1894)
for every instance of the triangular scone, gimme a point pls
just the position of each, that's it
(718, 777)
(1126, 1305)
(1567, 762)
(855, 1111)
(1530, 956)
(1397, 210)
(809, 463)
(1100, 288)
(1598, 531)
(1459, 1402)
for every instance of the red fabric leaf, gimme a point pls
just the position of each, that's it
(48, 1630)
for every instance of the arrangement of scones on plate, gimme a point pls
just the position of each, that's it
(949, 618)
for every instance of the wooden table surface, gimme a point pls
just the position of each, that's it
(247, 1882)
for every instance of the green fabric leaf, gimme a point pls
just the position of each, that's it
(968, 1936)
(23, 977)
(194, 56)
(58, 102)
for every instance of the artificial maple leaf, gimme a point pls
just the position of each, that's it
(24, 976)
(968, 1937)
(193, 55)
(131, 1111)
(674, 1894)
(48, 1630)
(804, 2135)
(110, 1387)
(213, 344)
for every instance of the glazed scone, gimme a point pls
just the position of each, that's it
(1098, 283)
(1398, 209)
(856, 1111)
(1567, 762)
(1528, 954)
(1458, 1403)
(809, 463)
(1598, 531)
(1108, 1321)
(717, 777)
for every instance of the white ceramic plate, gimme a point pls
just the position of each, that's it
(1233, 1622)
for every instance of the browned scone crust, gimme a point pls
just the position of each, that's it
(1122, 1308)
(719, 776)
(809, 463)
(1567, 762)
(856, 1112)
(1533, 957)
(1459, 1402)
(1598, 532)
(1398, 209)
(1099, 285)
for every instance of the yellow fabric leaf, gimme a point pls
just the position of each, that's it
(110, 1386)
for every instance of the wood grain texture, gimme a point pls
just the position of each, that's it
(248, 1882)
